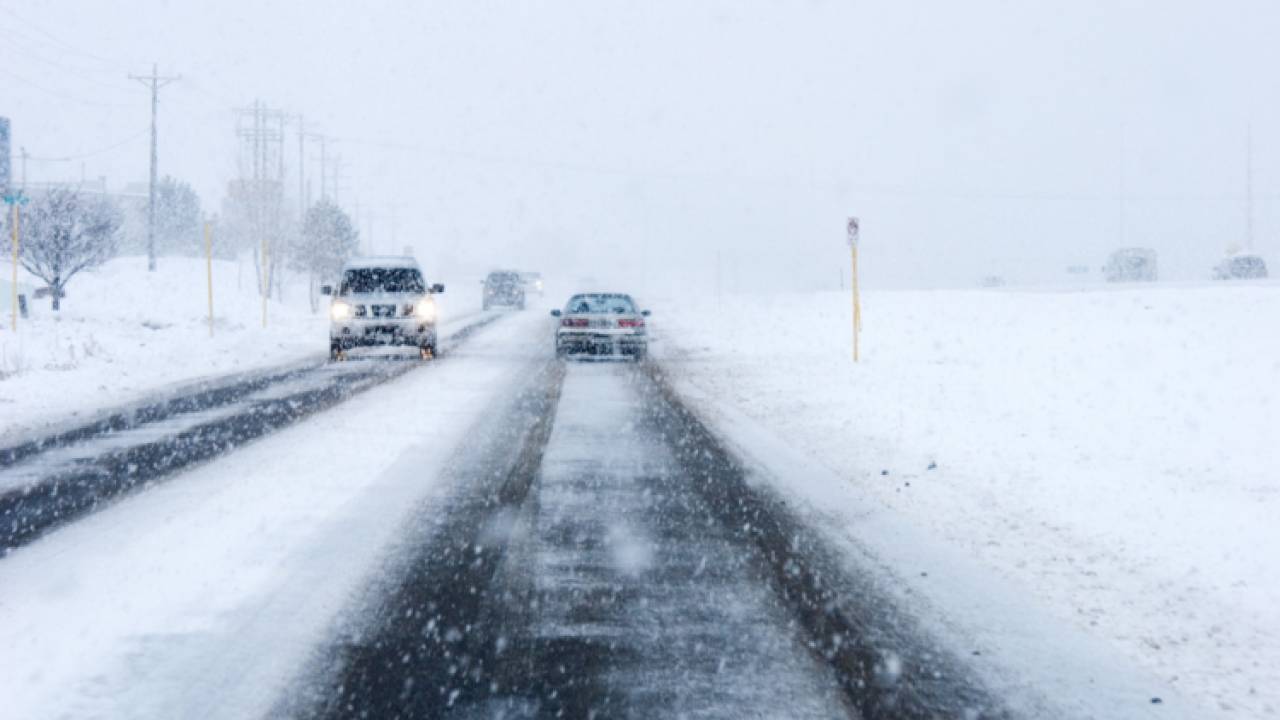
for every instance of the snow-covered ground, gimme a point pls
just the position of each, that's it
(124, 333)
(204, 595)
(1108, 457)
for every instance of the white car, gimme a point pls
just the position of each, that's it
(382, 301)
(1131, 265)
(1241, 267)
(602, 324)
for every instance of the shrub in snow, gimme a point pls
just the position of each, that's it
(63, 232)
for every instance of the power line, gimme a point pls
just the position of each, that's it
(156, 82)
(91, 153)
(53, 93)
(63, 45)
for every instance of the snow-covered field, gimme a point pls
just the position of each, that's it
(124, 333)
(1108, 456)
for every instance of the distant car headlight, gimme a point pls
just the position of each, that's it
(340, 311)
(425, 310)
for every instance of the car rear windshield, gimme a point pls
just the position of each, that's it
(382, 280)
(620, 304)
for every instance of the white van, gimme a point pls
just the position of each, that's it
(382, 301)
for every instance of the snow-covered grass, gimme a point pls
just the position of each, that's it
(1112, 454)
(124, 333)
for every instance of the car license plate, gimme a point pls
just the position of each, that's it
(384, 310)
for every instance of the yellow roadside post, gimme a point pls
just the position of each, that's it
(15, 267)
(15, 199)
(266, 280)
(208, 267)
(853, 286)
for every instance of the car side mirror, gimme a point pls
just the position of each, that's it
(326, 289)
(555, 313)
(437, 288)
(644, 313)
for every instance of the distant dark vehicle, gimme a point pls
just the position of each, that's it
(532, 282)
(1240, 267)
(503, 287)
(992, 281)
(1131, 265)
(602, 324)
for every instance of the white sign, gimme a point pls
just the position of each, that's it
(853, 232)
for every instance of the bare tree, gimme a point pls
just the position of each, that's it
(64, 232)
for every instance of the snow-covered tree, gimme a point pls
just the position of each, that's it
(63, 232)
(177, 218)
(327, 239)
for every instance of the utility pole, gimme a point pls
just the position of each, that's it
(324, 167)
(156, 82)
(337, 178)
(23, 151)
(1248, 189)
(302, 178)
(264, 189)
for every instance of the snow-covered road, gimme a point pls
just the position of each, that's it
(503, 532)
(200, 597)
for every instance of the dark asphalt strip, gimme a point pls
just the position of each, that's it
(200, 395)
(471, 624)
(887, 664)
(72, 490)
(422, 646)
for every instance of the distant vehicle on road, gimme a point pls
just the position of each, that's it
(532, 282)
(992, 281)
(503, 287)
(1240, 267)
(602, 324)
(1131, 265)
(382, 301)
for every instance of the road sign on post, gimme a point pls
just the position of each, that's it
(14, 199)
(853, 229)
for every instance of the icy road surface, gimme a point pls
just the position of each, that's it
(595, 583)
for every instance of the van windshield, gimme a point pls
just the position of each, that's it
(382, 280)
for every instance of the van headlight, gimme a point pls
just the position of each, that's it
(340, 311)
(425, 310)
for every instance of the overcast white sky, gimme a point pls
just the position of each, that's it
(657, 141)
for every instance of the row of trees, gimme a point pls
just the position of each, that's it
(64, 231)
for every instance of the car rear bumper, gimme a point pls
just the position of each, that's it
(601, 342)
(382, 331)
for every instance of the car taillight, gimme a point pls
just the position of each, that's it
(628, 322)
(573, 322)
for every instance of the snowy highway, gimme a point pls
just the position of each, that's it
(507, 535)
(55, 477)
